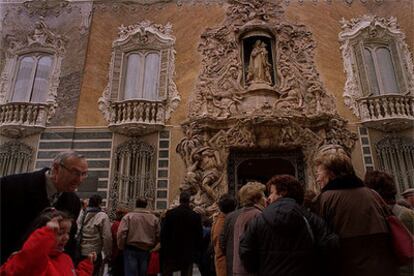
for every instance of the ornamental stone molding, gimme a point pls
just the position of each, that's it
(28, 118)
(139, 116)
(374, 28)
(245, 103)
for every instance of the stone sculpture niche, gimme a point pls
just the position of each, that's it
(258, 62)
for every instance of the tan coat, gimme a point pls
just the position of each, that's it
(139, 228)
(219, 256)
(96, 234)
(353, 212)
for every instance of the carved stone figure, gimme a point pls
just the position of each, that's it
(259, 66)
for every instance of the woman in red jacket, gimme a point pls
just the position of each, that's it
(42, 253)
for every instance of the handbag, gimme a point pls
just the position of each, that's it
(402, 239)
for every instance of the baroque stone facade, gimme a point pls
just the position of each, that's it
(254, 88)
(291, 110)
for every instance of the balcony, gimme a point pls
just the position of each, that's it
(136, 117)
(387, 112)
(23, 119)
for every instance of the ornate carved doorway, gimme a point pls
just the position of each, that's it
(245, 166)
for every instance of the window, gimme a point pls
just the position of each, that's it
(32, 78)
(15, 157)
(379, 70)
(134, 173)
(141, 76)
(396, 156)
(377, 62)
(141, 90)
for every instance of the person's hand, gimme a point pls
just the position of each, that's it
(54, 223)
(92, 257)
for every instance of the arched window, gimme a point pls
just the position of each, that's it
(134, 173)
(380, 70)
(15, 157)
(141, 75)
(32, 78)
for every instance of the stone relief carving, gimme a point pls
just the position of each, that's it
(371, 27)
(143, 36)
(40, 39)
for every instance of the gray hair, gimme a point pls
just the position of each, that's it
(61, 157)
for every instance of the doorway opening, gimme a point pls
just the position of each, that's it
(260, 166)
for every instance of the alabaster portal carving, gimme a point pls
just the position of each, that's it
(258, 90)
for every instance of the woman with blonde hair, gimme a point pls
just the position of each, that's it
(354, 213)
(252, 198)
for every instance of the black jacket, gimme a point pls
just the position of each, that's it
(181, 237)
(279, 242)
(23, 197)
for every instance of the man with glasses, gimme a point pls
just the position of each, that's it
(24, 196)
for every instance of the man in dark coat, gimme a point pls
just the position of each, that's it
(181, 238)
(24, 196)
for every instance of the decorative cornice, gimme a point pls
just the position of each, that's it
(142, 30)
(40, 38)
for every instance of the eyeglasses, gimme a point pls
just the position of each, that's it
(75, 172)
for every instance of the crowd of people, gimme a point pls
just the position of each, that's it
(277, 228)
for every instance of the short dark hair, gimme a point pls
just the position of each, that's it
(141, 202)
(185, 197)
(382, 183)
(95, 201)
(287, 186)
(227, 203)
